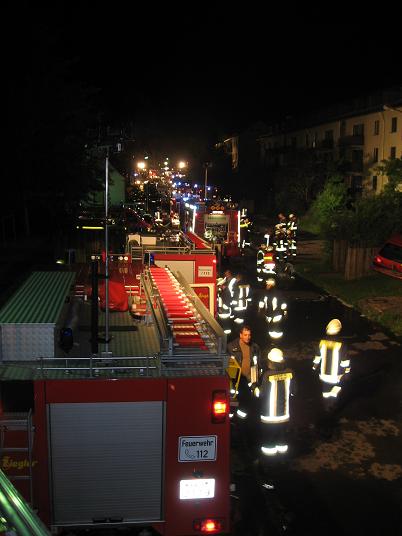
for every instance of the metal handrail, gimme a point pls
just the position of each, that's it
(98, 362)
(17, 512)
(202, 309)
(158, 312)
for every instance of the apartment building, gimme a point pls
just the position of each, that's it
(361, 133)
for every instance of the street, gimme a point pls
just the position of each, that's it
(337, 479)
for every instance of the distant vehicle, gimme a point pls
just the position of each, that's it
(389, 259)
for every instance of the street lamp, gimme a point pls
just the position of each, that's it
(181, 165)
(206, 166)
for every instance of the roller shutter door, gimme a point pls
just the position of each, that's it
(106, 461)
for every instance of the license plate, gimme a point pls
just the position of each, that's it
(197, 488)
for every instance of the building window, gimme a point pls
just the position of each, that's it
(315, 139)
(329, 135)
(343, 129)
(376, 127)
(394, 124)
(393, 152)
(375, 154)
(358, 130)
(375, 183)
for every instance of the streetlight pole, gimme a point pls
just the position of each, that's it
(206, 166)
(107, 252)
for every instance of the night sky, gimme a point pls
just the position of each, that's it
(194, 76)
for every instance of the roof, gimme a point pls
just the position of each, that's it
(39, 300)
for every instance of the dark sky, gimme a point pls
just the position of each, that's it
(214, 70)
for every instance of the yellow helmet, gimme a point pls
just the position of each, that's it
(333, 327)
(275, 355)
(270, 282)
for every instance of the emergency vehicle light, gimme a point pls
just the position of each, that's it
(219, 407)
(209, 526)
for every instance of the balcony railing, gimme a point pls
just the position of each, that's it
(351, 140)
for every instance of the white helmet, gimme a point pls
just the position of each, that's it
(275, 355)
(333, 327)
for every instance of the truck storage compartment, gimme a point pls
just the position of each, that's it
(106, 461)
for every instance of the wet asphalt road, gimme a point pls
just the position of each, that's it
(339, 478)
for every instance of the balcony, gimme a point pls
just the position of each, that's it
(348, 141)
(353, 166)
(325, 144)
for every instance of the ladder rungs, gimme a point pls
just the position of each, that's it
(14, 449)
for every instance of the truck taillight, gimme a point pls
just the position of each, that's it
(219, 406)
(208, 526)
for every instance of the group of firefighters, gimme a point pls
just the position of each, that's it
(262, 387)
(273, 257)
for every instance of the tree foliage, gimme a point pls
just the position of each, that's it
(370, 220)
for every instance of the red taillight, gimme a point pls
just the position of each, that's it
(208, 526)
(378, 260)
(219, 406)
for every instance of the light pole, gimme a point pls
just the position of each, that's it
(206, 166)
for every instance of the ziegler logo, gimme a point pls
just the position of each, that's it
(19, 465)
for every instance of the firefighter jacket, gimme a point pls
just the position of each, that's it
(260, 263)
(274, 393)
(234, 349)
(275, 310)
(333, 363)
(243, 299)
(225, 296)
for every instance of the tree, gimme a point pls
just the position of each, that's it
(392, 168)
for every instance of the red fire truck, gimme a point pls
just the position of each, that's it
(136, 434)
(216, 222)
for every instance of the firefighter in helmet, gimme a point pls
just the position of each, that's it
(245, 225)
(280, 241)
(260, 262)
(241, 299)
(291, 227)
(274, 308)
(269, 264)
(225, 296)
(273, 394)
(333, 363)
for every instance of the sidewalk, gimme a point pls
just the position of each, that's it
(377, 296)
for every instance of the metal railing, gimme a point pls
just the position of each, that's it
(18, 515)
(155, 305)
(212, 328)
(95, 365)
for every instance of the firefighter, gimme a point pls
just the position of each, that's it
(269, 264)
(280, 242)
(245, 225)
(225, 296)
(291, 232)
(275, 309)
(243, 299)
(260, 262)
(333, 363)
(273, 395)
(248, 356)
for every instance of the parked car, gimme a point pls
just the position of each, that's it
(389, 259)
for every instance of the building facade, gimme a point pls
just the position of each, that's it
(360, 134)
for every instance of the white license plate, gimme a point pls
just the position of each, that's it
(197, 488)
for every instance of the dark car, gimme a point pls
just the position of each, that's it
(389, 259)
